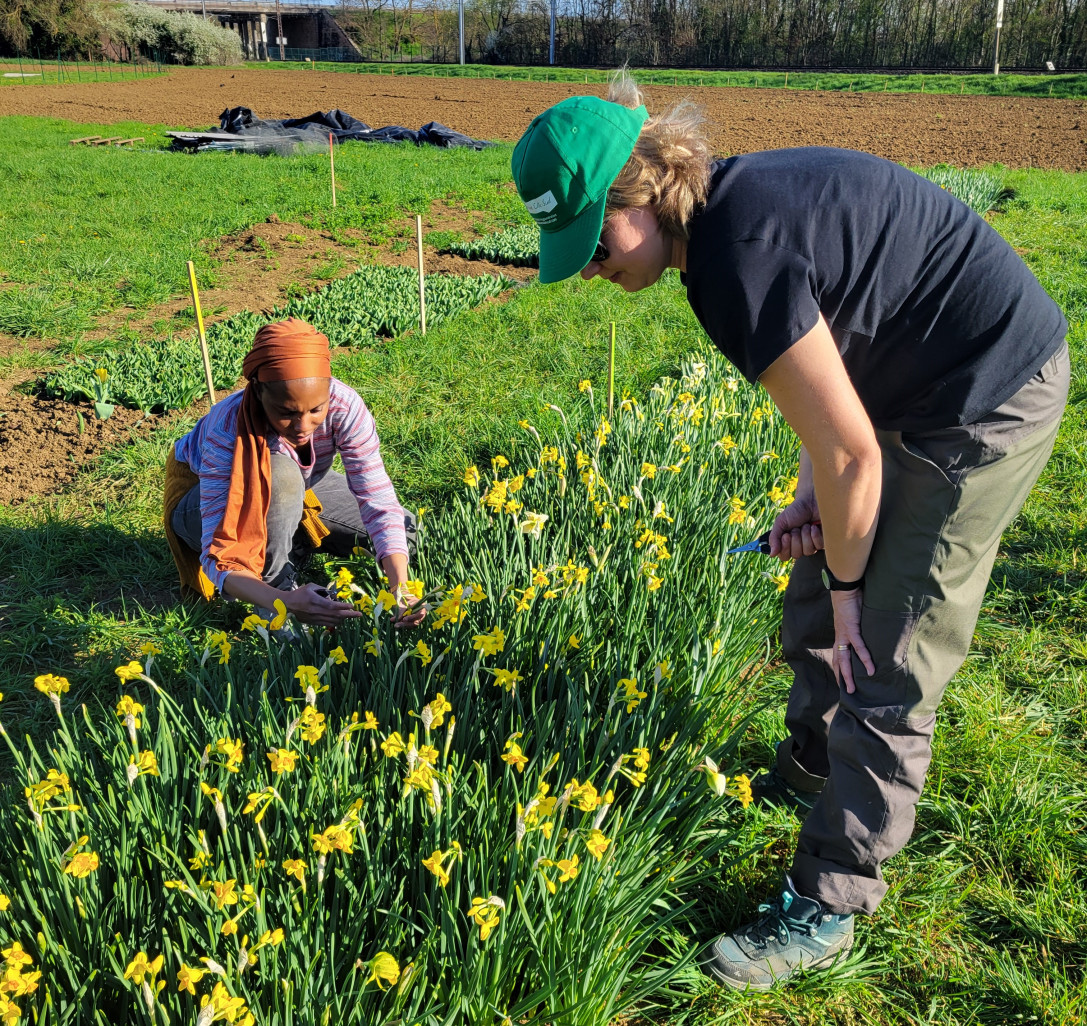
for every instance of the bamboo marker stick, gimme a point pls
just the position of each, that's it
(204, 354)
(332, 168)
(422, 288)
(611, 374)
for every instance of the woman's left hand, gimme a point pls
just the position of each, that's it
(847, 636)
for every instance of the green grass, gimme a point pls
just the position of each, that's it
(80, 248)
(1062, 85)
(987, 912)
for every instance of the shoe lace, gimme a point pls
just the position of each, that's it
(775, 922)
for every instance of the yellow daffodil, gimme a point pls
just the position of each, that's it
(49, 684)
(491, 643)
(369, 721)
(434, 713)
(232, 749)
(145, 763)
(338, 655)
(742, 789)
(307, 677)
(188, 977)
(251, 623)
(277, 621)
(128, 706)
(781, 580)
(434, 864)
(283, 760)
(383, 967)
(422, 651)
(597, 843)
(128, 672)
(584, 796)
(486, 912)
(312, 725)
(296, 868)
(471, 477)
(508, 679)
(569, 868)
(514, 756)
(82, 864)
(333, 838)
(5, 902)
(140, 967)
(393, 745)
(223, 892)
(533, 524)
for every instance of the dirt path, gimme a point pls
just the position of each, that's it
(968, 131)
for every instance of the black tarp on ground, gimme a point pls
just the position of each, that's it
(240, 129)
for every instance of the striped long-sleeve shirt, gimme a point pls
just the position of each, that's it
(347, 429)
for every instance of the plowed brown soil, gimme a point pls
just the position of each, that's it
(968, 131)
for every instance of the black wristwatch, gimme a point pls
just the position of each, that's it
(831, 583)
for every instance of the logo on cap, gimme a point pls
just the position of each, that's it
(542, 204)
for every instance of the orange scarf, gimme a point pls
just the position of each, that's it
(284, 351)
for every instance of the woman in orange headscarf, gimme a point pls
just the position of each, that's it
(244, 486)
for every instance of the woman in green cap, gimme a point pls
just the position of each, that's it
(924, 370)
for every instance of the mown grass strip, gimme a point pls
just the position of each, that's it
(1067, 85)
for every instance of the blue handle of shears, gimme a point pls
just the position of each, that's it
(760, 544)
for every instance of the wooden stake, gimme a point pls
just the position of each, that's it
(786, 80)
(204, 354)
(332, 168)
(422, 288)
(611, 374)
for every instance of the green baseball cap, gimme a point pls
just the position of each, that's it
(563, 167)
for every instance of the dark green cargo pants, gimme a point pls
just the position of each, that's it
(947, 497)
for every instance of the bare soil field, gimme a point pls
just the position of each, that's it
(968, 131)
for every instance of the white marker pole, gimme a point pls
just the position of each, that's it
(422, 288)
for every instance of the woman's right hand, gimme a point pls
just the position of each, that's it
(312, 604)
(797, 531)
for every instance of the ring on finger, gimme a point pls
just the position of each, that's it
(842, 648)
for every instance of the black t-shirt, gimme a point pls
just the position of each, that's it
(937, 319)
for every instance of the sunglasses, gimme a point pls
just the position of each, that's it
(600, 254)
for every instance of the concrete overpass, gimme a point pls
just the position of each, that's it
(276, 29)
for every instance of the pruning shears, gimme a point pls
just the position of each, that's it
(760, 544)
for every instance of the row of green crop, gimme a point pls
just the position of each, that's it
(167, 374)
(518, 246)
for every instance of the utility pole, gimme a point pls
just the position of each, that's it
(551, 50)
(204, 9)
(996, 44)
(279, 31)
(460, 22)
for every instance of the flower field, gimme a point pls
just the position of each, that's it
(496, 817)
(531, 809)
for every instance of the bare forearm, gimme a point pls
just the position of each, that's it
(249, 589)
(847, 489)
(395, 566)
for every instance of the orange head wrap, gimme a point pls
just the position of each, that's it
(284, 351)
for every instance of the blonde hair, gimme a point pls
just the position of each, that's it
(669, 169)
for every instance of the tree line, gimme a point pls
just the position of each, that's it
(898, 34)
(892, 34)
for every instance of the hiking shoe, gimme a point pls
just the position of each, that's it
(792, 932)
(770, 788)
